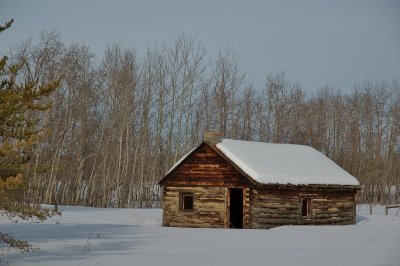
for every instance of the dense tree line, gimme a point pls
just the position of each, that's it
(118, 123)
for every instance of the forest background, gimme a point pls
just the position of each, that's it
(119, 122)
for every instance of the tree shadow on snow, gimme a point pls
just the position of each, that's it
(75, 242)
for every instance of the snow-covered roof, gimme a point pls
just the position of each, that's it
(269, 163)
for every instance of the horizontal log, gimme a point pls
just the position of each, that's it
(257, 216)
(276, 205)
(275, 221)
(197, 218)
(333, 220)
(326, 210)
(340, 214)
(275, 210)
(280, 221)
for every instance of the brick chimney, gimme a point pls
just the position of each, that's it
(213, 137)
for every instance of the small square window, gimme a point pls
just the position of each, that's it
(187, 201)
(306, 207)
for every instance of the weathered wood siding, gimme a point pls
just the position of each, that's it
(205, 167)
(209, 175)
(275, 207)
(208, 207)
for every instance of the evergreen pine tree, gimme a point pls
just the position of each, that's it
(19, 132)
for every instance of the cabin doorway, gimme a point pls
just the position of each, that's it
(236, 208)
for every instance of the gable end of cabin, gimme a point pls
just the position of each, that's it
(196, 192)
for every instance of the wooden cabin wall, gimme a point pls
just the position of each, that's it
(275, 207)
(208, 175)
(205, 168)
(208, 207)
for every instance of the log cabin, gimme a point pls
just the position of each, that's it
(226, 183)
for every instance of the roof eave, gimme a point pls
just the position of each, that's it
(337, 186)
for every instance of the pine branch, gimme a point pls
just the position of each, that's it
(7, 25)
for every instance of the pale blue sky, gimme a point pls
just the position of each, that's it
(314, 42)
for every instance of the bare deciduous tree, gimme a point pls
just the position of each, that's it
(118, 124)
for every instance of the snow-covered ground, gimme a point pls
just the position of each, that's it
(92, 236)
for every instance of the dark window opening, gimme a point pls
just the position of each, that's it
(306, 207)
(187, 201)
(236, 208)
